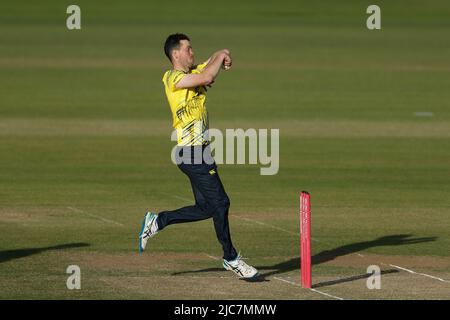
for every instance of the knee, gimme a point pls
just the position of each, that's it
(226, 202)
(222, 206)
(202, 205)
(211, 206)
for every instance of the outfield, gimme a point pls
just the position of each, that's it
(364, 119)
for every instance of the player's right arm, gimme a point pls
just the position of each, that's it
(208, 75)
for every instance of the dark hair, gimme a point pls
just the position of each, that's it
(173, 42)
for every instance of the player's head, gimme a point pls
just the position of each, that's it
(179, 50)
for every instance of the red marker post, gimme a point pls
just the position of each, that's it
(305, 238)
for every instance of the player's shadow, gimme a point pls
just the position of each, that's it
(329, 255)
(353, 278)
(8, 255)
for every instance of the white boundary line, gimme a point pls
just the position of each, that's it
(326, 294)
(269, 225)
(407, 270)
(314, 290)
(212, 257)
(183, 198)
(95, 216)
(263, 224)
(418, 273)
(178, 197)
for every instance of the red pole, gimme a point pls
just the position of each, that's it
(305, 238)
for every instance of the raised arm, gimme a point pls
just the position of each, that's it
(218, 52)
(209, 73)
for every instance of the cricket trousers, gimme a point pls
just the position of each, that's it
(211, 200)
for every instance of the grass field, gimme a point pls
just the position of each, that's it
(364, 119)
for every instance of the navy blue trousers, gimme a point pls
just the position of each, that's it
(211, 201)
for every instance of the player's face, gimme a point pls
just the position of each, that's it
(186, 54)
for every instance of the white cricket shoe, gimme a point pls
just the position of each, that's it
(149, 229)
(242, 269)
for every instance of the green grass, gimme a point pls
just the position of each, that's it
(85, 135)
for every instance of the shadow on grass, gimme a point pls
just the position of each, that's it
(329, 255)
(353, 278)
(8, 255)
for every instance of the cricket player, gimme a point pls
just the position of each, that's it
(185, 86)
